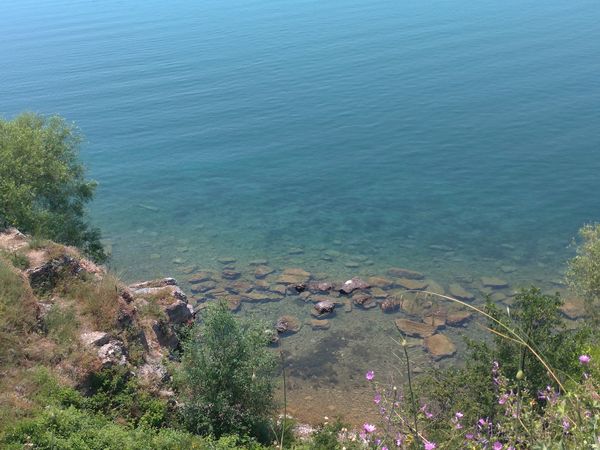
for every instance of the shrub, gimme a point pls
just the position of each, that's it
(225, 377)
(583, 274)
(43, 189)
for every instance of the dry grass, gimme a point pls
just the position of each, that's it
(98, 300)
(18, 313)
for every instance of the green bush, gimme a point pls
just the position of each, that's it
(225, 379)
(583, 274)
(72, 429)
(43, 189)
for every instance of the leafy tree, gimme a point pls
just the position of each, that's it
(225, 377)
(583, 274)
(43, 189)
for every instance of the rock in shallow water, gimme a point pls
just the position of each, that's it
(405, 273)
(320, 324)
(457, 291)
(494, 282)
(324, 307)
(353, 284)
(415, 329)
(288, 324)
(439, 346)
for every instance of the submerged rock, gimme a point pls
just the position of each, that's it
(390, 305)
(458, 318)
(320, 324)
(494, 282)
(262, 272)
(573, 308)
(227, 260)
(353, 284)
(398, 272)
(364, 300)
(457, 291)
(380, 282)
(231, 274)
(411, 285)
(415, 329)
(439, 346)
(288, 324)
(321, 287)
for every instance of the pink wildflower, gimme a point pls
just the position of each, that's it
(369, 428)
(585, 359)
(370, 375)
(377, 398)
(429, 445)
(497, 445)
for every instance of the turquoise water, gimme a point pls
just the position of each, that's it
(255, 127)
(344, 137)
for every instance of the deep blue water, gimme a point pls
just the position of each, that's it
(371, 128)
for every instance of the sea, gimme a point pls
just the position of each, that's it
(457, 139)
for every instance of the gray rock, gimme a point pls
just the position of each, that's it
(112, 354)
(95, 338)
(179, 312)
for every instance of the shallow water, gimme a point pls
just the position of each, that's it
(454, 138)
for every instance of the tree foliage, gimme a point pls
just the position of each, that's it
(225, 377)
(43, 189)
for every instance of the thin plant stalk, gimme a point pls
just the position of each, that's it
(284, 421)
(412, 395)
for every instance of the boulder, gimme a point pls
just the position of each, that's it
(414, 329)
(353, 284)
(397, 272)
(457, 291)
(439, 346)
(179, 312)
(165, 335)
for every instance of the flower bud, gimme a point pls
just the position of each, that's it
(520, 375)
